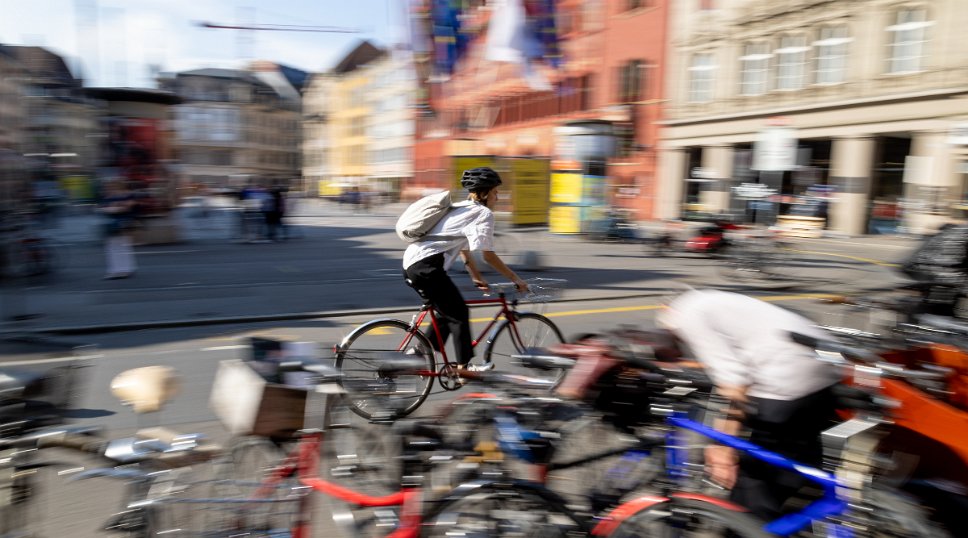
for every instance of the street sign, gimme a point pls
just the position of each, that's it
(753, 191)
(703, 173)
(775, 150)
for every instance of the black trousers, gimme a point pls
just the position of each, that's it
(791, 428)
(431, 281)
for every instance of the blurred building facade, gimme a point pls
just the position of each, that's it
(351, 109)
(862, 99)
(12, 179)
(237, 126)
(595, 114)
(390, 125)
(60, 121)
(317, 111)
(12, 108)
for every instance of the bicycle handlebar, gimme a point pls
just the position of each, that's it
(868, 357)
(534, 285)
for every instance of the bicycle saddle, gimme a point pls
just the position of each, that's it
(146, 389)
(419, 291)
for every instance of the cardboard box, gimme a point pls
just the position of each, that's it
(247, 404)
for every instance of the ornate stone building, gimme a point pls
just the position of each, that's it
(866, 98)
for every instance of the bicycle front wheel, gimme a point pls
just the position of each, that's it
(376, 395)
(679, 517)
(529, 332)
(246, 472)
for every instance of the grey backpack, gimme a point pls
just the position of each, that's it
(421, 216)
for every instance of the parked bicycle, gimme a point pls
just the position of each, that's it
(374, 393)
(313, 459)
(851, 502)
(156, 465)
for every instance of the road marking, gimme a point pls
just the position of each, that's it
(223, 348)
(140, 253)
(856, 258)
(47, 361)
(638, 308)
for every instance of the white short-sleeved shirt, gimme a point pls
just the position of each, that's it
(468, 226)
(746, 342)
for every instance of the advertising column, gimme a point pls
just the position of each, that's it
(564, 217)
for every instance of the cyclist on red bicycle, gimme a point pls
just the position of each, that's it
(467, 227)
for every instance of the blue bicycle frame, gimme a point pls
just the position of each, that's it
(828, 505)
(512, 439)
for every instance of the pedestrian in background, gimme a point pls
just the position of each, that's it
(119, 207)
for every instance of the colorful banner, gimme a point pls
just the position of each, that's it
(564, 219)
(529, 191)
(566, 188)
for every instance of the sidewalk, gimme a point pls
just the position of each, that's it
(219, 222)
(345, 262)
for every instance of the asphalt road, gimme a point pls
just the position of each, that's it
(72, 510)
(347, 263)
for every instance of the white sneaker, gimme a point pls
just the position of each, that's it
(487, 366)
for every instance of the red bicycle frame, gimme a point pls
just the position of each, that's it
(303, 463)
(505, 311)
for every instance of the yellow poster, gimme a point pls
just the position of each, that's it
(566, 188)
(529, 191)
(459, 164)
(564, 219)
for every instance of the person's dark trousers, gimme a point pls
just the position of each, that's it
(430, 279)
(791, 428)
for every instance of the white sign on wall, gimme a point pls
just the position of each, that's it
(775, 150)
(958, 135)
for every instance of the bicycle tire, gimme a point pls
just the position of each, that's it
(24, 511)
(248, 463)
(494, 510)
(357, 454)
(684, 517)
(530, 332)
(367, 392)
(592, 483)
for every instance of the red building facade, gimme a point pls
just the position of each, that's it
(611, 78)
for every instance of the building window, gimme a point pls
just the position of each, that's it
(791, 62)
(702, 75)
(831, 55)
(630, 82)
(755, 69)
(907, 39)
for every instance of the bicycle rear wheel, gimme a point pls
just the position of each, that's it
(679, 517)
(376, 395)
(530, 332)
(504, 510)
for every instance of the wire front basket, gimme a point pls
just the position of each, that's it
(544, 290)
(224, 508)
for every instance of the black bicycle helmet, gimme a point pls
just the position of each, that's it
(480, 179)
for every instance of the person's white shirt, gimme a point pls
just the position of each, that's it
(468, 226)
(745, 342)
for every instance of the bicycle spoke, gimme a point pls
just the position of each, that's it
(372, 392)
